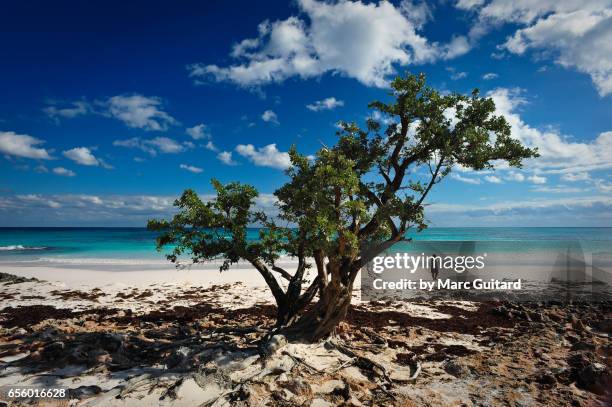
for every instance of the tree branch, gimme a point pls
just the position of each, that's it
(277, 291)
(284, 273)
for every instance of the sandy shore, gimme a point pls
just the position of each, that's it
(192, 337)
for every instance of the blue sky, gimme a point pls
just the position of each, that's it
(108, 112)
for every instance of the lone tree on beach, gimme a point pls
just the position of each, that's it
(362, 192)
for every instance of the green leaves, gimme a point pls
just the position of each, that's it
(371, 185)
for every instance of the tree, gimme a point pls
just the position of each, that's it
(361, 192)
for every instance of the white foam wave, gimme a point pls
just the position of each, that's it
(16, 247)
(91, 261)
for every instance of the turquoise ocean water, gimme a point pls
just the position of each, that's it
(138, 245)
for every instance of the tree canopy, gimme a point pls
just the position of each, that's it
(367, 189)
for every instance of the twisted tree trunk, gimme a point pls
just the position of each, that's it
(320, 321)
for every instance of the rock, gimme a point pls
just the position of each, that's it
(582, 345)
(455, 368)
(404, 374)
(547, 379)
(562, 374)
(53, 350)
(110, 342)
(177, 357)
(84, 392)
(594, 377)
(605, 325)
(572, 337)
(327, 387)
(555, 315)
(577, 324)
(274, 344)
(297, 386)
(17, 333)
(100, 357)
(280, 365)
(320, 403)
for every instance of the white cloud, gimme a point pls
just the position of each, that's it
(211, 146)
(352, 38)
(515, 176)
(22, 145)
(417, 13)
(557, 211)
(191, 168)
(468, 4)
(574, 177)
(135, 110)
(577, 34)
(74, 109)
(267, 156)
(325, 104)
(140, 112)
(63, 172)
(493, 179)
(82, 155)
(155, 145)
(489, 76)
(226, 158)
(536, 179)
(558, 153)
(456, 75)
(41, 169)
(473, 181)
(269, 117)
(198, 132)
(559, 189)
(603, 186)
(97, 210)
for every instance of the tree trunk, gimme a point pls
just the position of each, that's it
(320, 321)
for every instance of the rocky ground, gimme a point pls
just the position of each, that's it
(206, 353)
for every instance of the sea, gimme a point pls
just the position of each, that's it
(538, 255)
(87, 245)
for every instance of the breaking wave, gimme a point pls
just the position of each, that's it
(18, 247)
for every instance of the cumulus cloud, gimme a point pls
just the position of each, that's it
(559, 189)
(226, 158)
(329, 103)
(493, 179)
(570, 211)
(135, 110)
(84, 156)
(140, 112)
(70, 111)
(467, 180)
(355, 39)
(269, 117)
(155, 145)
(558, 153)
(577, 34)
(267, 156)
(456, 75)
(22, 145)
(191, 168)
(515, 176)
(198, 132)
(537, 179)
(63, 172)
(96, 210)
(489, 76)
(574, 177)
(211, 146)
